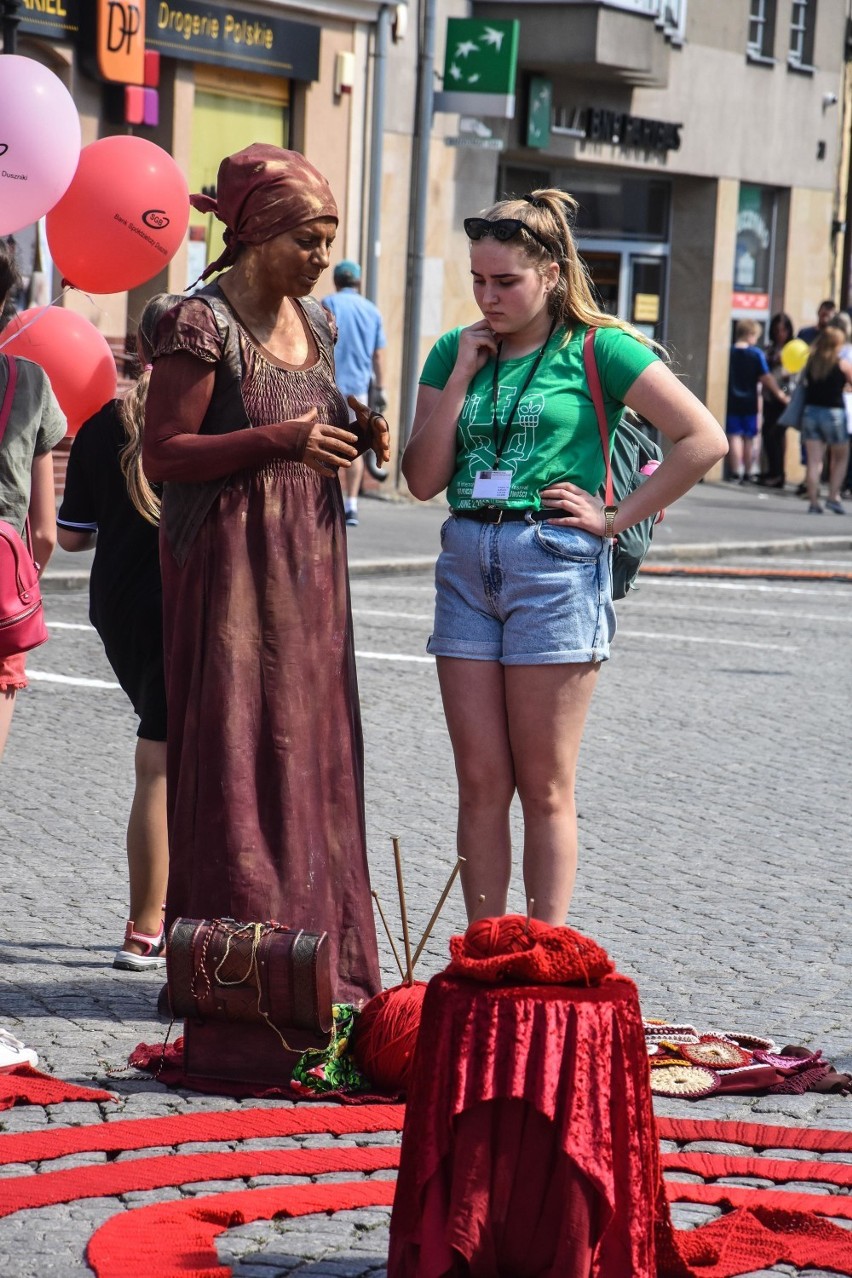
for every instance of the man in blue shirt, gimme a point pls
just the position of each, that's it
(827, 311)
(747, 370)
(358, 359)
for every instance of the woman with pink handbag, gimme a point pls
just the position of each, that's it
(32, 424)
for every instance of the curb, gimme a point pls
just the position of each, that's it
(722, 549)
(58, 582)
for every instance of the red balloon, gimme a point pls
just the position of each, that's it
(123, 217)
(75, 356)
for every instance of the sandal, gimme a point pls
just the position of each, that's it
(153, 952)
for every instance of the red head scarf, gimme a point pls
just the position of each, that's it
(261, 192)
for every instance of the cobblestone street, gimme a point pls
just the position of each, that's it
(714, 813)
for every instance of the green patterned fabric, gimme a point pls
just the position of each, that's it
(332, 1069)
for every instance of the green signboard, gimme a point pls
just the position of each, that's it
(539, 108)
(480, 67)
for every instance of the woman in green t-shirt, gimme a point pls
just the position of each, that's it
(505, 423)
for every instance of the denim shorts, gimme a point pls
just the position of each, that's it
(825, 424)
(522, 593)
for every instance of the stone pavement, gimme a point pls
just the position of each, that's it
(714, 812)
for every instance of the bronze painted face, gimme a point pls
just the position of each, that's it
(294, 260)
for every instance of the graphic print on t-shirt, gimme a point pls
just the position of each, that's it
(479, 435)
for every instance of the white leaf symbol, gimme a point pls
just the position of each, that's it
(493, 37)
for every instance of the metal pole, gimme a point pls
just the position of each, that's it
(10, 25)
(417, 219)
(377, 130)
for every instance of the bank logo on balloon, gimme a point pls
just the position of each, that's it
(157, 219)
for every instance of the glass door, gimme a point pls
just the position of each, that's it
(630, 281)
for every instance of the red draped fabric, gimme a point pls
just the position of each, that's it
(529, 1145)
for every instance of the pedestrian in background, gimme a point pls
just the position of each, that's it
(358, 361)
(774, 436)
(35, 426)
(826, 311)
(827, 378)
(109, 504)
(505, 422)
(747, 370)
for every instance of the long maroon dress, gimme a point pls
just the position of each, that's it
(265, 753)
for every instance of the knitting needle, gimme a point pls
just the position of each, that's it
(530, 904)
(402, 910)
(375, 896)
(450, 881)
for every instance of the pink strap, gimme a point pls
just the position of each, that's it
(11, 382)
(593, 378)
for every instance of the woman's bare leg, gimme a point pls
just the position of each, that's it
(838, 460)
(147, 840)
(547, 708)
(7, 708)
(814, 452)
(475, 709)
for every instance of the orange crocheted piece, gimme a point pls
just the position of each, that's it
(512, 948)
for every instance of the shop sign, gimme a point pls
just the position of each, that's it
(749, 301)
(632, 131)
(480, 67)
(233, 36)
(120, 41)
(57, 19)
(539, 111)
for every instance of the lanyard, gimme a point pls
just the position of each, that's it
(495, 392)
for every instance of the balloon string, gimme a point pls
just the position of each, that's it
(35, 319)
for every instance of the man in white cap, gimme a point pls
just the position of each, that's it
(359, 360)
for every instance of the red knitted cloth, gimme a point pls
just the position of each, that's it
(23, 1085)
(520, 951)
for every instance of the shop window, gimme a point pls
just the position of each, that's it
(802, 25)
(612, 206)
(761, 31)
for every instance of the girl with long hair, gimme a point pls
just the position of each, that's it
(827, 375)
(524, 616)
(109, 504)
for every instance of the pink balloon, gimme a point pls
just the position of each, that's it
(75, 356)
(123, 217)
(39, 141)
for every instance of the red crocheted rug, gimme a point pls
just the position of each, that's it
(762, 1227)
(23, 1085)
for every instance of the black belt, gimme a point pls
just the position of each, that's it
(500, 515)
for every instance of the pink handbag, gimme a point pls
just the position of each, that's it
(21, 612)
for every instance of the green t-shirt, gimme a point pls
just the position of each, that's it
(554, 434)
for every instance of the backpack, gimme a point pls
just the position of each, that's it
(21, 613)
(631, 451)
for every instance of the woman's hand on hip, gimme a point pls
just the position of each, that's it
(373, 427)
(477, 345)
(582, 510)
(328, 448)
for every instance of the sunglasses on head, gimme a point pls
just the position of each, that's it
(502, 229)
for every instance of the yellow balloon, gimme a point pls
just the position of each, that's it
(794, 355)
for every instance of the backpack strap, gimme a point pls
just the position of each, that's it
(593, 378)
(9, 395)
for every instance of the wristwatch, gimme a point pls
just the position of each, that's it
(610, 513)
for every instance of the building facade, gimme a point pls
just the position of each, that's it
(706, 144)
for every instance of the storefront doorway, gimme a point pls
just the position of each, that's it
(630, 281)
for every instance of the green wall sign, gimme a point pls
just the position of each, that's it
(480, 67)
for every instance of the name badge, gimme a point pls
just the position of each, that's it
(496, 485)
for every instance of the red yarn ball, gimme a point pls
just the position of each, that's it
(386, 1035)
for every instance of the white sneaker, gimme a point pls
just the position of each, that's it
(13, 1051)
